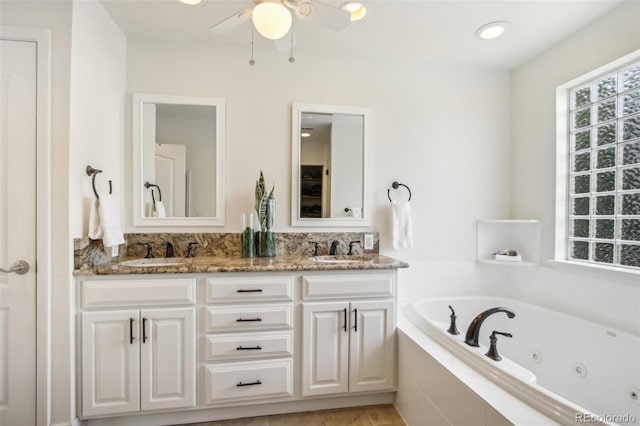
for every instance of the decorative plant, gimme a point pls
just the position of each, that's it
(265, 205)
(266, 209)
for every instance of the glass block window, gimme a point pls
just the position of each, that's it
(604, 170)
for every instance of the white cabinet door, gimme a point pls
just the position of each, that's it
(325, 348)
(167, 357)
(371, 350)
(110, 362)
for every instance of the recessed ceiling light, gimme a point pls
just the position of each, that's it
(356, 9)
(191, 2)
(492, 30)
(305, 134)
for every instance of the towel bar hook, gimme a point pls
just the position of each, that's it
(93, 172)
(396, 185)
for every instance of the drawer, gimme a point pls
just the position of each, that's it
(343, 286)
(248, 380)
(248, 288)
(248, 345)
(253, 317)
(135, 292)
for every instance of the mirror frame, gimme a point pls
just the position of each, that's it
(138, 193)
(296, 121)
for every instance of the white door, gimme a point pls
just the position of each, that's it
(17, 232)
(167, 359)
(371, 348)
(110, 362)
(171, 172)
(325, 348)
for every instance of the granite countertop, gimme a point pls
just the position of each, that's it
(239, 264)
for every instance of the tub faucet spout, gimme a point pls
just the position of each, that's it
(473, 331)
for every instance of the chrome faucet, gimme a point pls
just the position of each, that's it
(473, 331)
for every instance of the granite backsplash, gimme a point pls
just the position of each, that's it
(88, 253)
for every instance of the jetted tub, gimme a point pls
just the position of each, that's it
(570, 369)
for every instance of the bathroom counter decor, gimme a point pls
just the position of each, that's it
(239, 264)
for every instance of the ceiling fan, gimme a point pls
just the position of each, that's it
(273, 18)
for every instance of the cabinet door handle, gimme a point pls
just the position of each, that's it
(144, 330)
(257, 290)
(131, 320)
(249, 348)
(248, 319)
(355, 320)
(345, 318)
(257, 382)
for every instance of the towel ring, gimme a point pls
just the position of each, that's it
(396, 185)
(93, 172)
(152, 185)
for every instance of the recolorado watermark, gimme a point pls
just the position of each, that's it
(605, 418)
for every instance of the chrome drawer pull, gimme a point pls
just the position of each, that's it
(249, 348)
(249, 319)
(257, 382)
(257, 290)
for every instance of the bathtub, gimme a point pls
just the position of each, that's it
(569, 369)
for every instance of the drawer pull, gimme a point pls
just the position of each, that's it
(257, 290)
(249, 348)
(249, 320)
(257, 382)
(144, 330)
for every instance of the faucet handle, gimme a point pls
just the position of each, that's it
(351, 246)
(493, 345)
(452, 326)
(315, 247)
(190, 247)
(149, 254)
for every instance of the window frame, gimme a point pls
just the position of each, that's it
(563, 173)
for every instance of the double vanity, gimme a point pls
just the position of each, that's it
(208, 338)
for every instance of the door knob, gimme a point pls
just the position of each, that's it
(20, 267)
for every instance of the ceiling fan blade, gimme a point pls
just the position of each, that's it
(284, 44)
(329, 16)
(232, 22)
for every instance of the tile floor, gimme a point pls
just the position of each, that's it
(373, 415)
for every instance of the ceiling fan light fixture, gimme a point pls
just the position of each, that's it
(272, 20)
(356, 9)
(191, 2)
(492, 30)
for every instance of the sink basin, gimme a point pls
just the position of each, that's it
(337, 259)
(150, 263)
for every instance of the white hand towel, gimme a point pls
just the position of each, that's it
(401, 218)
(160, 211)
(95, 231)
(110, 222)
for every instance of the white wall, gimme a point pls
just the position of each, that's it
(98, 80)
(55, 16)
(443, 130)
(605, 298)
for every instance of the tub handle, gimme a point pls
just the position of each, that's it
(493, 345)
(452, 327)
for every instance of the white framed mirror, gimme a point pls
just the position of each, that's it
(330, 166)
(178, 160)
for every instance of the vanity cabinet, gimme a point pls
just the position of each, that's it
(137, 359)
(249, 337)
(348, 345)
